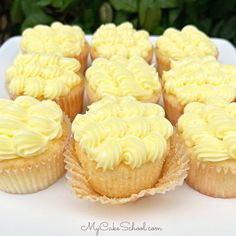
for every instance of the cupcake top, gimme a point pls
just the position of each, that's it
(119, 76)
(210, 129)
(61, 39)
(122, 130)
(196, 79)
(123, 39)
(188, 42)
(27, 126)
(43, 75)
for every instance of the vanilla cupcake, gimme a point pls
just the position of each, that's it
(196, 79)
(119, 76)
(121, 144)
(209, 134)
(47, 76)
(64, 40)
(176, 45)
(123, 40)
(33, 136)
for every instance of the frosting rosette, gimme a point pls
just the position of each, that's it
(109, 136)
(122, 39)
(27, 126)
(188, 42)
(120, 76)
(59, 39)
(210, 130)
(46, 76)
(197, 79)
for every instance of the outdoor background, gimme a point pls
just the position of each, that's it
(215, 17)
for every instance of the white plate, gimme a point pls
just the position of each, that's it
(56, 211)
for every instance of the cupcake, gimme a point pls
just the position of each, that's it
(209, 134)
(33, 136)
(47, 76)
(123, 40)
(121, 144)
(64, 40)
(176, 45)
(120, 76)
(196, 80)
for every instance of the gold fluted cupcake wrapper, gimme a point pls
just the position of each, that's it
(37, 173)
(173, 174)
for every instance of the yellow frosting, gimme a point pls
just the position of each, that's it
(58, 38)
(43, 75)
(197, 79)
(27, 126)
(188, 42)
(210, 130)
(122, 130)
(119, 76)
(123, 39)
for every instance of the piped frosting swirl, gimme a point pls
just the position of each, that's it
(123, 40)
(119, 76)
(59, 39)
(122, 130)
(43, 75)
(27, 126)
(197, 79)
(185, 43)
(210, 130)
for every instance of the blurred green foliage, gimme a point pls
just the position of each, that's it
(217, 18)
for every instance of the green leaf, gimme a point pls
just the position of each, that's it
(44, 3)
(121, 16)
(38, 17)
(106, 13)
(149, 14)
(125, 5)
(168, 3)
(228, 31)
(173, 15)
(16, 12)
(27, 6)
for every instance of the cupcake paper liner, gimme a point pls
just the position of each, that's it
(36, 173)
(214, 179)
(83, 58)
(173, 174)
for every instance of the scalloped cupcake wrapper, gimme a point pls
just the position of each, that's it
(35, 174)
(173, 174)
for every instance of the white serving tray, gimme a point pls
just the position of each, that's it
(56, 211)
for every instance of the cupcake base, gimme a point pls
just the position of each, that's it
(29, 175)
(83, 58)
(173, 109)
(163, 62)
(94, 55)
(215, 179)
(173, 173)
